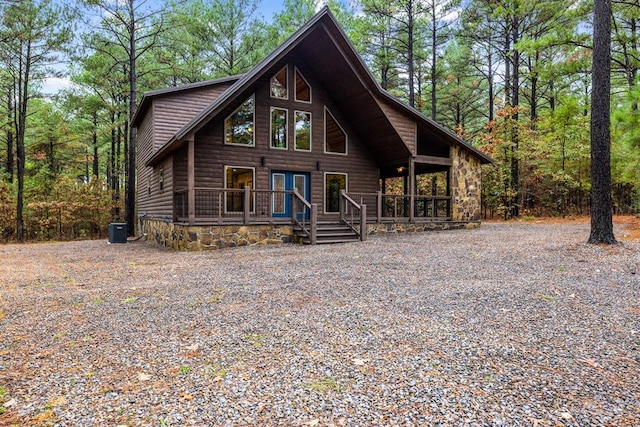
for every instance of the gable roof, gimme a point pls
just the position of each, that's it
(145, 103)
(325, 47)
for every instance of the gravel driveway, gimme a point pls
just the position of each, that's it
(512, 324)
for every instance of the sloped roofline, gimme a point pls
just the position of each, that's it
(248, 78)
(149, 95)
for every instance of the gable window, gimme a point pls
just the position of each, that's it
(335, 138)
(239, 126)
(334, 182)
(235, 179)
(303, 89)
(279, 85)
(303, 131)
(278, 128)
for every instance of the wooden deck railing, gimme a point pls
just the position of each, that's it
(391, 207)
(245, 206)
(215, 205)
(350, 211)
(305, 216)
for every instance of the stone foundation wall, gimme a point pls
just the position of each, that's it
(198, 238)
(385, 228)
(466, 182)
(210, 237)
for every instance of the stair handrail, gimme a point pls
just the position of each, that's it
(346, 201)
(312, 230)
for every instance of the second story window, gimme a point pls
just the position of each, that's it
(335, 138)
(278, 128)
(303, 131)
(239, 126)
(279, 85)
(303, 89)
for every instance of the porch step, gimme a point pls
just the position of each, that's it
(330, 232)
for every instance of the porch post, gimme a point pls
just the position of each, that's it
(412, 188)
(449, 212)
(191, 182)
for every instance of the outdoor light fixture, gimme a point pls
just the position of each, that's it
(318, 165)
(400, 169)
(263, 161)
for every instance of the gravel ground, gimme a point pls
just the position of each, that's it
(512, 324)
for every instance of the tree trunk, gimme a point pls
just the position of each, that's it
(10, 127)
(601, 203)
(434, 57)
(410, 59)
(131, 178)
(515, 137)
(23, 98)
(96, 164)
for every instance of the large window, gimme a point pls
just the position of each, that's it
(239, 126)
(303, 131)
(279, 85)
(335, 138)
(278, 128)
(303, 89)
(333, 183)
(236, 178)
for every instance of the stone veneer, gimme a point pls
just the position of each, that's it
(407, 227)
(466, 181)
(184, 237)
(208, 237)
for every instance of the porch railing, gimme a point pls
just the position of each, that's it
(214, 205)
(398, 206)
(305, 216)
(354, 215)
(228, 205)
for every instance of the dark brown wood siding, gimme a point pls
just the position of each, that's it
(405, 127)
(172, 111)
(212, 155)
(167, 114)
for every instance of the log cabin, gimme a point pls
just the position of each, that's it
(305, 147)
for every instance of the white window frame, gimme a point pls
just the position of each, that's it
(324, 186)
(253, 187)
(295, 92)
(346, 136)
(286, 79)
(253, 135)
(283, 199)
(286, 128)
(295, 133)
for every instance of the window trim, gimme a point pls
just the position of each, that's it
(324, 189)
(295, 91)
(253, 133)
(295, 133)
(286, 128)
(286, 79)
(346, 136)
(226, 187)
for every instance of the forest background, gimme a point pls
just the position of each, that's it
(513, 77)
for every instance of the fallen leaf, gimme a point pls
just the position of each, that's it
(359, 362)
(144, 377)
(314, 422)
(566, 416)
(193, 347)
(186, 396)
(590, 362)
(9, 403)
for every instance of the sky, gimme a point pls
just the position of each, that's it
(266, 10)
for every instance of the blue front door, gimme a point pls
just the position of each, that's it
(283, 182)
